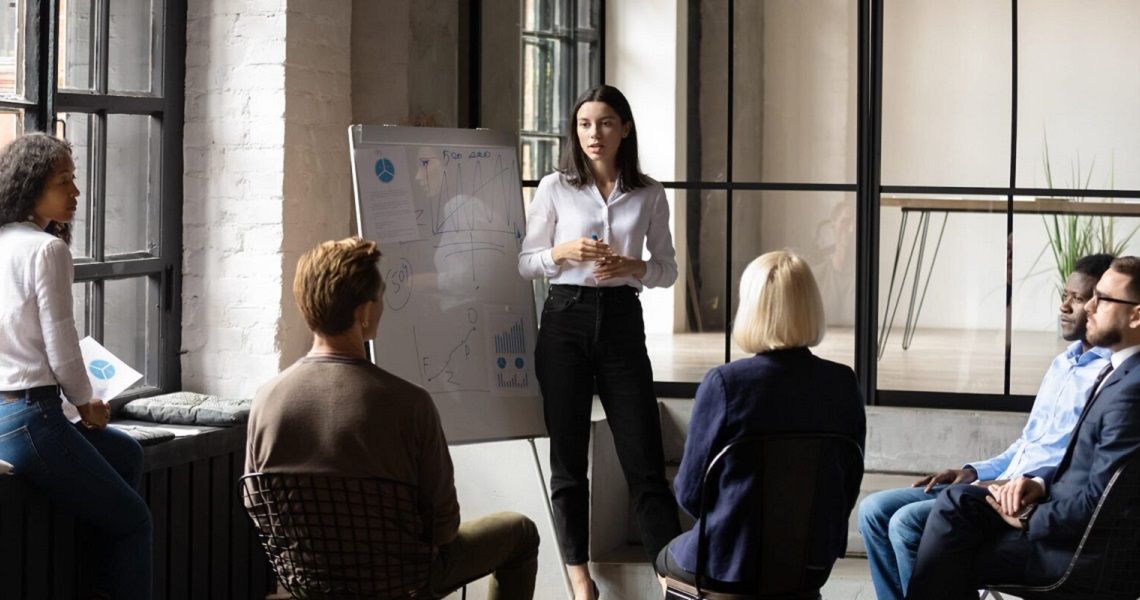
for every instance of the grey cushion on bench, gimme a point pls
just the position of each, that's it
(145, 436)
(188, 408)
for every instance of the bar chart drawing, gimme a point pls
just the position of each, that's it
(510, 350)
(512, 341)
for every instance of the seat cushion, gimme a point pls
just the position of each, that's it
(189, 408)
(146, 436)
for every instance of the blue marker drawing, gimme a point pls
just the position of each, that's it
(101, 369)
(385, 170)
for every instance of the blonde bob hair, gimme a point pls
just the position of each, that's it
(780, 306)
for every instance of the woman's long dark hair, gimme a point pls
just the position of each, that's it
(26, 164)
(574, 164)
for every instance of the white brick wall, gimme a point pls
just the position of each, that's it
(268, 101)
(318, 111)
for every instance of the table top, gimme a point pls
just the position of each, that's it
(1046, 206)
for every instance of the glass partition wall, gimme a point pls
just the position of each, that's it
(927, 158)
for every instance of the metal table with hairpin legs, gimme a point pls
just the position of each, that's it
(925, 208)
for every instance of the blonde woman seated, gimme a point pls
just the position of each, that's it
(333, 412)
(783, 388)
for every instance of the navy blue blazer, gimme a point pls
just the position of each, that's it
(1106, 435)
(783, 391)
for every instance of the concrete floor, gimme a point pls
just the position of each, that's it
(850, 580)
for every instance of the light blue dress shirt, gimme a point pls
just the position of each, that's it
(1058, 406)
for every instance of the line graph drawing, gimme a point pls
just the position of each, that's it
(470, 191)
(450, 352)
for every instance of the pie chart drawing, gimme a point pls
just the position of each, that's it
(385, 170)
(101, 369)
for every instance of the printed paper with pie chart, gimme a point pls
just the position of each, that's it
(109, 376)
(510, 351)
(385, 186)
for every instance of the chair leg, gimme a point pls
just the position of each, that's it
(464, 594)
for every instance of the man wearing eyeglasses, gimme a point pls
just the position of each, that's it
(1026, 531)
(892, 521)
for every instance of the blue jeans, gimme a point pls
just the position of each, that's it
(92, 474)
(891, 523)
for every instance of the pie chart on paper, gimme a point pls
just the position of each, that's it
(385, 170)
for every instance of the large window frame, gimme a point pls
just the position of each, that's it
(44, 100)
(868, 190)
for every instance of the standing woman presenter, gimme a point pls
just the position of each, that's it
(586, 229)
(85, 467)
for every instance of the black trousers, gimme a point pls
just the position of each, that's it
(966, 545)
(597, 336)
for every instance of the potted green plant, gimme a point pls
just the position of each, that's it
(1072, 236)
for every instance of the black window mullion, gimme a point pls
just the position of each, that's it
(101, 60)
(39, 63)
(95, 310)
(97, 150)
(1009, 203)
(728, 192)
(119, 104)
(169, 374)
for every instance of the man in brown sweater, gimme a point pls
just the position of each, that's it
(335, 413)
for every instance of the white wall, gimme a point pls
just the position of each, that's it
(946, 102)
(267, 105)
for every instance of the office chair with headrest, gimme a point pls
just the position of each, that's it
(790, 469)
(1106, 563)
(341, 537)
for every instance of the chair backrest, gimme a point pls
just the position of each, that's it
(801, 480)
(338, 537)
(1106, 563)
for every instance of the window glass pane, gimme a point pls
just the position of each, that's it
(76, 44)
(544, 105)
(676, 86)
(133, 45)
(132, 144)
(1038, 277)
(794, 91)
(11, 125)
(76, 128)
(588, 14)
(685, 324)
(539, 156)
(12, 48)
(80, 304)
(129, 321)
(956, 308)
(544, 15)
(1078, 89)
(946, 92)
(820, 228)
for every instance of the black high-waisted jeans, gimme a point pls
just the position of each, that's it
(597, 336)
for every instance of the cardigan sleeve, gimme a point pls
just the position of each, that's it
(705, 437)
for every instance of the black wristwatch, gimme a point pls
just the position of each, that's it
(1023, 516)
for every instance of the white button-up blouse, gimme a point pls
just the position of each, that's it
(38, 342)
(627, 221)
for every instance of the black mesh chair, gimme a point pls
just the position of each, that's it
(334, 537)
(796, 473)
(1106, 564)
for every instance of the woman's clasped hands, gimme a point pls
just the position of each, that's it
(608, 264)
